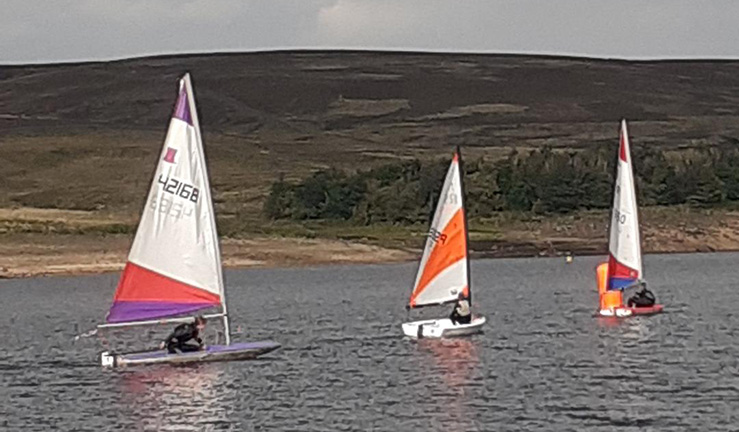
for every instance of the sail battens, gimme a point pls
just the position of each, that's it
(174, 264)
(443, 270)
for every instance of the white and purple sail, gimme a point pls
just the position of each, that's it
(624, 246)
(174, 266)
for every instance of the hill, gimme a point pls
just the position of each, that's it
(84, 136)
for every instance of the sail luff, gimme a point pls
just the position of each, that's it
(466, 225)
(209, 202)
(634, 206)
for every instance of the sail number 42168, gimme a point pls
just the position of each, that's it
(179, 188)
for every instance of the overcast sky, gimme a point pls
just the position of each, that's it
(64, 30)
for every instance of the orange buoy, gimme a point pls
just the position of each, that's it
(608, 299)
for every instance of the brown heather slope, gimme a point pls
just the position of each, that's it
(85, 136)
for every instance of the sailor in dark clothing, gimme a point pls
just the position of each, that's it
(461, 313)
(642, 298)
(176, 342)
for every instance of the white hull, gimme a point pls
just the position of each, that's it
(615, 312)
(623, 312)
(443, 327)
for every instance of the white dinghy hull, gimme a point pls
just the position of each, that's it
(442, 328)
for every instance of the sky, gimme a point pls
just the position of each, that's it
(43, 31)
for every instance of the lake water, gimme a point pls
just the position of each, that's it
(543, 363)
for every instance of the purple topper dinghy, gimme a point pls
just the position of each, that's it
(174, 266)
(213, 353)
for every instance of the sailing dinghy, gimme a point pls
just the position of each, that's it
(444, 270)
(174, 266)
(624, 267)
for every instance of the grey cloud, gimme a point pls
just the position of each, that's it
(63, 30)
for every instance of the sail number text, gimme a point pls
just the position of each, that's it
(179, 188)
(168, 207)
(173, 207)
(620, 217)
(437, 236)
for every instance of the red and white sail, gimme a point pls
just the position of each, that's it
(443, 272)
(174, 266)
(625, 261)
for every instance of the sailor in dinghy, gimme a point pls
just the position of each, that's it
(443, 273)
(461, 313)
(623, 270)
(178, 340)
(642, 298)
(174, 266)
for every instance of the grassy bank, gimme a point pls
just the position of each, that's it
(46, 241)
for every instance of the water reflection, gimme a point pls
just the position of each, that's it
(181, 398)
(455, 362)
(455, 359)
(539, 366)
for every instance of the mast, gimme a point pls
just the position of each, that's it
(636, 205)
(466, 227)
(206, 181)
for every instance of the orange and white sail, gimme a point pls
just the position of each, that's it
(624, 246)
(174, 266)
(444, 269)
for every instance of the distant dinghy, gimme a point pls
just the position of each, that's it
(174, 266)
(443, 272)
(624, 267)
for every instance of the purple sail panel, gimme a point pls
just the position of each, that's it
(126, 311)
(182, 108)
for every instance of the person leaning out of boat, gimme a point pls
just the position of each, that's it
(461, 313)
(177, 341)
(642, 298)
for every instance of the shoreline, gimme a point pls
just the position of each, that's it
(39, 255)
(46, 242)
(266, 252)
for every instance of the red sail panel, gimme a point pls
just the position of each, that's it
(143, 294)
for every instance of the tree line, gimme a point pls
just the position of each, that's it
(541, 181)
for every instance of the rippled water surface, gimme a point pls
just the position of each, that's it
(543, 363)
